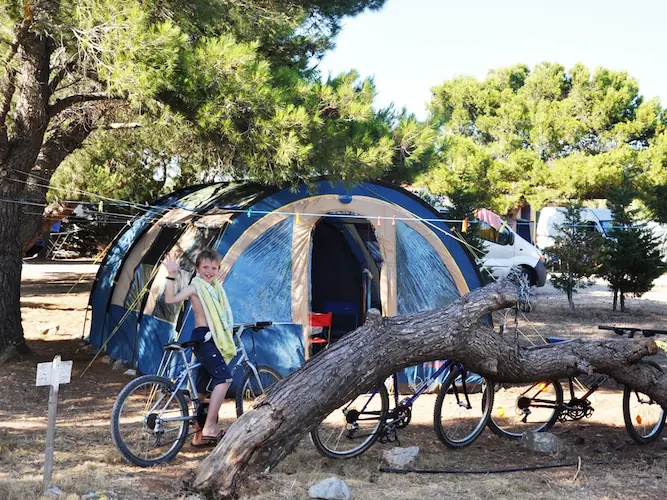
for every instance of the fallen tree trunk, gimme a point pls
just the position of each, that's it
(262, 437)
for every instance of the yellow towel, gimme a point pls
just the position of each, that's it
(218, 315)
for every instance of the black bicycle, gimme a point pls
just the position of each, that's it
(518, 408)
(460, 414)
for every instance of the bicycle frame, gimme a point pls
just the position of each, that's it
(187, 374)
(421, 388)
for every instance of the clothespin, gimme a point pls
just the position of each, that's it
(100, 207)
(379, 220)
(298, 218)
(250, 212)
(393, 220)
(464, 226)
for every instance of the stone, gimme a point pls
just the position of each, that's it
(130, 373)
(99, 495)
(53, 491)
(400, 457)
(107, 360)
(331, 488)
(542, 442)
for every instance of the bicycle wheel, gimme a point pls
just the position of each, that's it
(519, 408)
(252, 387)
(351, 429)
(644, 418)
(149, 421)
(461, 411)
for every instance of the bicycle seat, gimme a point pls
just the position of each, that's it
(177, 346)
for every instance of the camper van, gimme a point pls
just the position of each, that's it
(506, 249)
(599, 219)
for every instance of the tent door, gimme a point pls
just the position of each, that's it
(344, 272)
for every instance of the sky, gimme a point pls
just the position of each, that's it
(410, 46)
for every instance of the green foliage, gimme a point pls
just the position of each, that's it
(221, 88)
(574, 256)
(544, 134)
(631, 259)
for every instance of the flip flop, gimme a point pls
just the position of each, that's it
(209, 440)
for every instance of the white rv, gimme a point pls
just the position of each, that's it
(599, 219)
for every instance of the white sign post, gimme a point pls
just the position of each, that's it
(55, 373)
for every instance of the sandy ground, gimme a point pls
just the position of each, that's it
(56, 295)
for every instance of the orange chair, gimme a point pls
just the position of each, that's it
(317, 322)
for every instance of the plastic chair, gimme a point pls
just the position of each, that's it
(317, 322)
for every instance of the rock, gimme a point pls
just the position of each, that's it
(119, 365)
(542, 442)
(98, 495)
(331, 488)
(107, 360)
(53, 491)
(400, 457)
(130, 373)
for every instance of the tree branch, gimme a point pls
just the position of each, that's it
(61, 74)
(62, 104)
(264, 435)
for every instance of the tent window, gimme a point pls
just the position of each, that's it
(259, 284)
(416, 260)
(143, 272)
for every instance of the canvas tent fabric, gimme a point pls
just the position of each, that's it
(324, 247)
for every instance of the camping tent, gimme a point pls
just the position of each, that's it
(322, 247)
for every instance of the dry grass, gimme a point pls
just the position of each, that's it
(85, 460)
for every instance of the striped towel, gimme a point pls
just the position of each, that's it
(218, 315)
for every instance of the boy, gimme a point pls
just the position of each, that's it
(213, 331)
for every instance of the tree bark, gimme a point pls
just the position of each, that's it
(262, 437)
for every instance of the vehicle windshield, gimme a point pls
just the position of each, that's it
(607, 225)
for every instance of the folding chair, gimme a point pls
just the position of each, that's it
(318, 322)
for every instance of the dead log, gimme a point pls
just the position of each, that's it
(260, 438)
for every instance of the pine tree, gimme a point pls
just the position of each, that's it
(631, 257)
(575, 253)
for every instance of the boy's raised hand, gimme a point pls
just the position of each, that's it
(172, 265)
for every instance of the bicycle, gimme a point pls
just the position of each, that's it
(519, 408)
(459, 416)
(152, 414)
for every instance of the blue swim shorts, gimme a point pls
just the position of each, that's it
(210, 357)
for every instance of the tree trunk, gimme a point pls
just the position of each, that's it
(263, 436)
(615, 301)
(622, 301)
(11, 259)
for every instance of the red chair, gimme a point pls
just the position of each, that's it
(318, 322)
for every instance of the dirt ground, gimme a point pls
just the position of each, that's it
(612, 466)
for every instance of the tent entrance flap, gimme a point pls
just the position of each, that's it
(344, 272)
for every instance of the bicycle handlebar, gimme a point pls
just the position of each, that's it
(631, 330)
(256, 326)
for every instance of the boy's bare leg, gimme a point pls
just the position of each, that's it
(215, 402)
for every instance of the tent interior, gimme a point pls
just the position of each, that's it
(345, 272)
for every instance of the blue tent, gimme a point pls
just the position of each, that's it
(324, 247)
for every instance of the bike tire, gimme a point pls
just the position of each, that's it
(539, 403)
(345, 428)
(128, 409)
(250, 390)
(454, 427)
(642, 432)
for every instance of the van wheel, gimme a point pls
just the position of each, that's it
(529, 274)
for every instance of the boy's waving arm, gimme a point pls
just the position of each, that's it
(171, 294)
